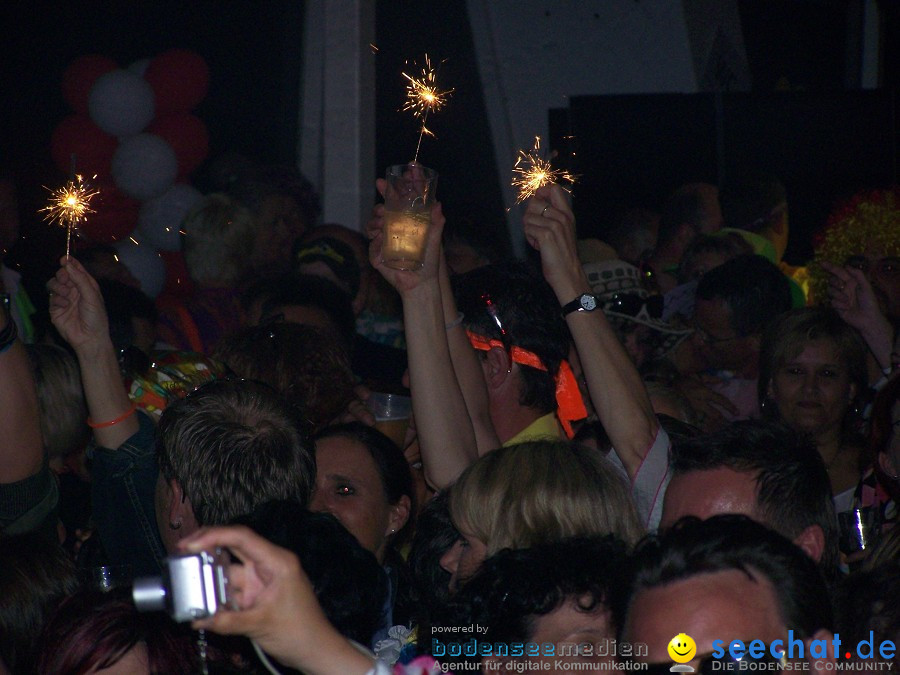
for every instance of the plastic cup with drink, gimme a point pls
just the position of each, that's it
(408, 199)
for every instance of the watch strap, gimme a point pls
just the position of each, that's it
(577, 305)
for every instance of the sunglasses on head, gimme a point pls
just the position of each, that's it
(495, 317)
(631, 304)
(709, 665)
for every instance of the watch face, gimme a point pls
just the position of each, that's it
(589, 302)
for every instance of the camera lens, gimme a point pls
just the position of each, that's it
(149, 594)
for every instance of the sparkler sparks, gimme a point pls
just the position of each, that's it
(531, 171)
(424, 97)
(69, 206)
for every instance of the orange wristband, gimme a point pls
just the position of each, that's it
(102, 425)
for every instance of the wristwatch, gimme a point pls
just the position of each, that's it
(583, 303)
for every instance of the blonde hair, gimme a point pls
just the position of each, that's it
(542, 491)
(218, 238)
(63, 411)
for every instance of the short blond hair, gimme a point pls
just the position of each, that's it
(540, 492)
(218, 238)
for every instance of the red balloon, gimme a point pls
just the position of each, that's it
(178, 281)
(115, 217)
(187, 135)
(92, 148)
(180, 80)
(79, 77)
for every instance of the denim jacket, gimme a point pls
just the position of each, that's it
(123, 490)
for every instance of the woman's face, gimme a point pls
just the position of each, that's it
(813, 390)
(349, 487)
(464, 558)
(278, 225)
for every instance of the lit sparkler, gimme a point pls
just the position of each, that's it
(423, 97)
(69, 206)
(531, 171)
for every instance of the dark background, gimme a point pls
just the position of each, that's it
(820, 129)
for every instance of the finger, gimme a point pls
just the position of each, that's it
(375, 224)
(559, 199)
(56, 287)
(535, 232)
(242, 541)
(436, 229)
(537, 206)
(228, 622)
(80, 277)
(857, 276)
(381, 186)
(831, 268)
(543, 192)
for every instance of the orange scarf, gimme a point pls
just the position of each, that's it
(570, 406)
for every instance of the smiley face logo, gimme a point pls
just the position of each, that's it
(682, 648)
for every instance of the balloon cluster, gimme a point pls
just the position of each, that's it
(133, 127)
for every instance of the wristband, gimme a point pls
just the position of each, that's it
(103, 425)
(457, 321)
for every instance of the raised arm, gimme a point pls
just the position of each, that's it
(854, 300)
(446, 436)
(77, 311)
(616, 388)
(467, 368)
(22, 451)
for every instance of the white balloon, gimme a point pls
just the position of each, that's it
(160, 219)
(144, 166)
(121, 103)
(145, 263)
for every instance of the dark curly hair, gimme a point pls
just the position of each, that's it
(530, 314)
(347, 580)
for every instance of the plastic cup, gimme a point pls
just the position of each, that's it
(408, 199)
(391, 413)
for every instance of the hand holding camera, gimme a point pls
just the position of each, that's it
(275, 603)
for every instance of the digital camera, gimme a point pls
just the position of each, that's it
(192, 587)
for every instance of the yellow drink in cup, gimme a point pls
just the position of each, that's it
(408, 200)
(394, 429)
(391, 413)
(404, 239)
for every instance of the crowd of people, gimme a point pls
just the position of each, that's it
(615, 448)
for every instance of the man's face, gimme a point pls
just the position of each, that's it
(715, 340)
(161, 503)
(709, 493)
(725, 605)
